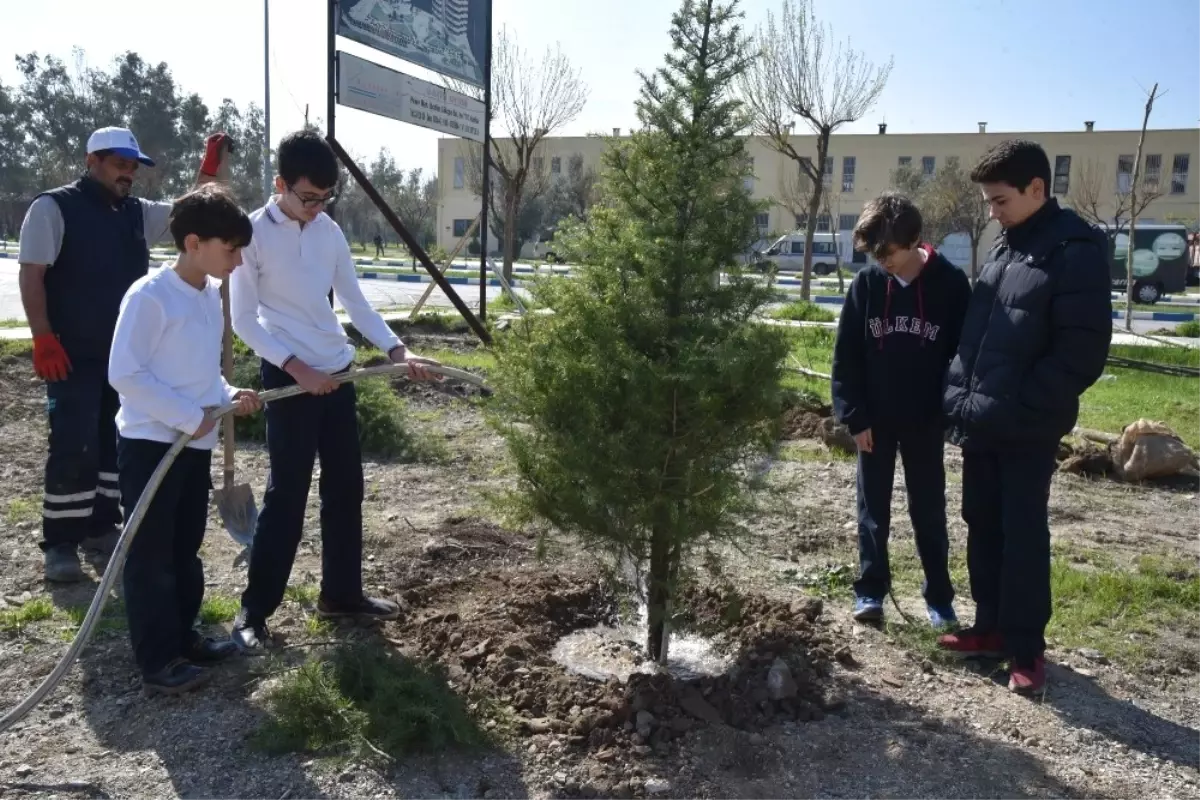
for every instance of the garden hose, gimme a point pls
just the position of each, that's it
(117, 560)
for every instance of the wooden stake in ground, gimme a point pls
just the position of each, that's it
(1133, 211)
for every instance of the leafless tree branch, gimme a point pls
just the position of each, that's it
(797, 74)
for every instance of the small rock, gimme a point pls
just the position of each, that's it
(606, 755)
(23, 770)
(844, 656)
(346, 776)
(1086, 673)
(542, 725)
(645, 724)
(657, 786)
(694, 703)
(1092, 655)
(780, 683)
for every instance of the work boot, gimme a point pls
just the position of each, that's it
(62, 564)
(365, 608)
(176, 678)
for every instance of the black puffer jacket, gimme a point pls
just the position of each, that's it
(1036, 336)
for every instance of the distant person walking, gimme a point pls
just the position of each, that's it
(1035, 338)
(82, 246)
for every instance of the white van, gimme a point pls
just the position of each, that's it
(829, 250)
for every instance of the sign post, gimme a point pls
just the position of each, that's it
(453, 38)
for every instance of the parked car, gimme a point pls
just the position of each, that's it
(1161, 261)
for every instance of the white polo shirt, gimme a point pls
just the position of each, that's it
(279, 296)
(165, 362)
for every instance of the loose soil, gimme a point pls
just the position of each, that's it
(859, 712)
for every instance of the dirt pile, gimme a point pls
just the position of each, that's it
(494, 631)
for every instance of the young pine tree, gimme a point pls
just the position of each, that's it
(631, 410)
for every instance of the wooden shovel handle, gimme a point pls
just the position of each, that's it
(227, 371)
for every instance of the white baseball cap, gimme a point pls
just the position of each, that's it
(120, 141)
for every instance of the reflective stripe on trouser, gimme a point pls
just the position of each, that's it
(81, 486)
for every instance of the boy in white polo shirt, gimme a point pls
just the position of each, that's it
(281, 309)
(165, 365)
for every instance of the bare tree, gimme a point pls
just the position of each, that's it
(1101, 197)
(797, 75)
(530, 100)
(950, 203)
(831, 207)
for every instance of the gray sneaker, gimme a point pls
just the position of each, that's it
(62, 564)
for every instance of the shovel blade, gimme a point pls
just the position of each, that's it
(238, 511)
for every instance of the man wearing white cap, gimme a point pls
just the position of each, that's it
(82, 247)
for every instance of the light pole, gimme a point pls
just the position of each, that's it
(267, 101)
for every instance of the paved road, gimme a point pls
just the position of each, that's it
(380, 294)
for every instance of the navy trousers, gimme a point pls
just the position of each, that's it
(81, 490)
(164, 578)
(921, 450)
(298, 430)
(1006, 497)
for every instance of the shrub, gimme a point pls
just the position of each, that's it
(804, 311)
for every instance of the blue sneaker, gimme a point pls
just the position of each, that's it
(868, 609)
(942, 616)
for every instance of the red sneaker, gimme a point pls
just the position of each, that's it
(1027, 678)
(971, 643)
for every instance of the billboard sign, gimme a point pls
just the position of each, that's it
(446, 36)
(369, 87)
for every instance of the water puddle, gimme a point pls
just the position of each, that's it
(606, 651)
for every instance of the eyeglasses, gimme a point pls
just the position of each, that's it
(309, 202)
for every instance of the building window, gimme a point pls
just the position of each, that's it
(928, 164)
(822, 224)
(801, 220)
(827, 173)
(1124, 174)
(748, 180)
(762, 221)
(461, 226)
(459, 172)
(1153, 171)
(556, 165)
(846, 222)
(848, 174)
(1179, 174)
(539, 164)
(1062, 174)
(904, 161)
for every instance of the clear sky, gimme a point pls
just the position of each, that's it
(1020, 65)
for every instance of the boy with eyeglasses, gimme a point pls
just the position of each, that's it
(280, 307)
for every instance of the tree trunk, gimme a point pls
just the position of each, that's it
(837, 258)
(510, 233)
(1133, 211)
(814, 208)
(658, 596)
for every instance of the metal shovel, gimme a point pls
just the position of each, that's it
(235, 502)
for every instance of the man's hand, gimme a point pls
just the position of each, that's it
(50, 360)
(205, 427)
(217, 148)
(310, 380)
(248, 402)
(416, 364)
(865, 442)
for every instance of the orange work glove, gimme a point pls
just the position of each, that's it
(213, 146)
(50, 361)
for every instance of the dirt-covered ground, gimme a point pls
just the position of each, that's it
(851, 712)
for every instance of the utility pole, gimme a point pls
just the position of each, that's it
(267, 101)
(1133, 211)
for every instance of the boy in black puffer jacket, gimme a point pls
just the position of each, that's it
(898, 330)
(1036, 337)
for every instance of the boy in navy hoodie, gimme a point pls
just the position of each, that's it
(898, 331)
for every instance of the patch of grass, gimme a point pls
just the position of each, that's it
(37, 609)
(305, 594)
(801, 452)
(13, 323)
(363, 701)
(317, 628)
(16, 348)
(1191, 329)
(112, 619)
(1118, 609)
(804, 311)
(219, 608)
(1111, 404)
(22, 509)
(478, 359)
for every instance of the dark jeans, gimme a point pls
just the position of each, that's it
(81, 489)
(298, 430)
(163, 577)
(921, 450)
(1005, 505)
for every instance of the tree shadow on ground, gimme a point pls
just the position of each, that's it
(206, 740)
(1082, 703)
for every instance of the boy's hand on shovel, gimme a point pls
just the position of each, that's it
(248, 402)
